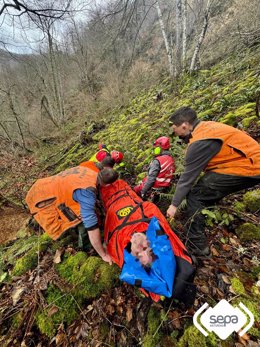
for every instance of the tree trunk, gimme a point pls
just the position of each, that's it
(166, 42)
(184, 34)
(55, 79)
(201, 37)
(178, 36)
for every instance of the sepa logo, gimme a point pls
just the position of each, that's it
(223, 319)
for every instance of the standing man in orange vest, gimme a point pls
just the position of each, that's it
(67, 200)
(230, 160)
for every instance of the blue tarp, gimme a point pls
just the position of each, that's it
(159, 277)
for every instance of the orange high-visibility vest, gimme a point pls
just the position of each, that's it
(239, 154)
(50, 199)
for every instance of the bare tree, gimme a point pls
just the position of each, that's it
(201, 36)
(166, 42)
(17, 121)
(178, 36)
(37, 8)
(184, 33)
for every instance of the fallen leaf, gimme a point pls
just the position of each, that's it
(234, 242)
(220, 293)
(52, 310)
(243, 339)
(110, 309)
(174, 317)
(129, 314)
(60, 338)
(225, 279)
(214, 252)
(3, 276)
(231, 290)
(204, 289)
(16, 294)
(226, 247)
(57, 256)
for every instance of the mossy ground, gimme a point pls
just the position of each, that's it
(225, 93)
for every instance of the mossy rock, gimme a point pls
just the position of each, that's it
(89, 276)
(252, 200)
(192, 337)
(30, 260)
(248, 231)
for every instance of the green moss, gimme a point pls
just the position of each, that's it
(70, 265)
(154, 321)
(206, 115)
(239, 207)
(30, 260)
(246, 122)
(20, 247)
(253, 304)
(252, 200)
(192, 337)
(89, 276)
(238, 286)
(67, 311)
(17, 319)
(248, 231)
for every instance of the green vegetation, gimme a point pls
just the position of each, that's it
(225, 93)
(64, 306)
(153, 337)
(30, 259)
(252, 200)
(248, 231)
(89, 276)
(192, 337)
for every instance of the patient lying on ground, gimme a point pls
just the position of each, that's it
(140, 248)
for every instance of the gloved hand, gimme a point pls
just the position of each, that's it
(144, 196)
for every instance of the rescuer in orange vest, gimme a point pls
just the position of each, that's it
(68, 200)
(230, 160)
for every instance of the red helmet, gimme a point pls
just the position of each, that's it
(163, 142)
(117, 156)
(101, 155)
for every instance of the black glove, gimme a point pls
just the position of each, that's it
(144, 196)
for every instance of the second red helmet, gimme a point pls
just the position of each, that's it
(117, 156)
(163, 142)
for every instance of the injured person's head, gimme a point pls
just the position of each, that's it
(140, 248)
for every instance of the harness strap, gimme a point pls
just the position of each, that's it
(119, 191)
(125, 222)
(119, 197)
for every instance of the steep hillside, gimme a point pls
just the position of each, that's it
(53, 295)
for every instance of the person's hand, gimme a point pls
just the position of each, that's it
(171, 211)
(107, 259)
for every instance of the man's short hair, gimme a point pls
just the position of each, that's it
(183, 114)
(108, 175)
(108, 161)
